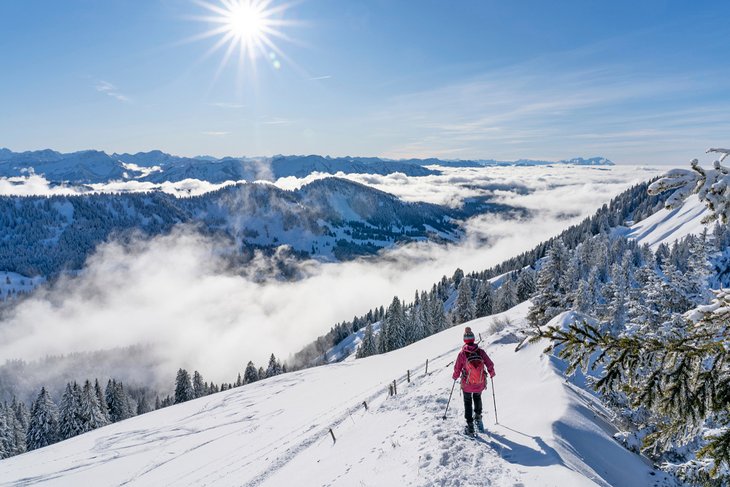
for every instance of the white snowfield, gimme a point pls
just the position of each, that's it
(276, 432)
(668, 226)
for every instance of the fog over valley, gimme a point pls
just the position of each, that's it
(179, 293)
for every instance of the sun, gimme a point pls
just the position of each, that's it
(246, 30)
(246, 22)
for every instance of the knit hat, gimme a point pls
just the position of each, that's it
(468, 335)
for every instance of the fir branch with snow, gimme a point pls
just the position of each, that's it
(712, 186)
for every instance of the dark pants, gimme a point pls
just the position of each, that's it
(477, 398)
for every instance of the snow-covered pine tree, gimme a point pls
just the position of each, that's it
(526, 285)
(584, 299)
(101, 399)
(43, 426)
(118, 401)
(250, 374)
(679, 378)
(712, 186)
(22, 419)
(417, 326)
(274, 367)
(69, 419)
(368, 346)
(506, 296)
(198, 389)
(129, 406)
(110, 400)
(457, 277)
(90, 414)
(549, 299)
(426, 318)
(698, 267)
(616, 297)
(12, 434)
(7, 443)
(485, 300)
(183, 387)
(464, 309)
(438, 315)
(396, 325)
(143, 405)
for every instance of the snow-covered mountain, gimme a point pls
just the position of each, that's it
(277, 431)
(329, 219)
(550, 431)
(91, 166)
(576, 161)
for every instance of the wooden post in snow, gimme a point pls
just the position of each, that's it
(426, 367)
(334, 440)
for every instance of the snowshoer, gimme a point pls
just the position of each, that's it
(470, 367)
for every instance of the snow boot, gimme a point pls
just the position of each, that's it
(479, 423)
(469, 429)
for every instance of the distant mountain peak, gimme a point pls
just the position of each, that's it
(592, 161)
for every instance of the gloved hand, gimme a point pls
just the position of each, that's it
(492, 374)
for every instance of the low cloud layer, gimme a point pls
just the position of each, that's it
(175, 293)
(37, 185)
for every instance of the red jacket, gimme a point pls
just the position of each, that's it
(460, 367)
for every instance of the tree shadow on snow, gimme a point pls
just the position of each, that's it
(520, 454)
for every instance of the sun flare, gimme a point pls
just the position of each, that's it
(246, 30)
(245, 22)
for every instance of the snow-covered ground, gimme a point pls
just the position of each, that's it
(668, 226)
(12, 283)
(277, 431)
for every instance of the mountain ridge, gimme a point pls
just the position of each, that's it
(329, 219)
(94, 166)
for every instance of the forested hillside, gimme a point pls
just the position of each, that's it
(328, 219)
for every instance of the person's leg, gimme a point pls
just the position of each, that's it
(477, 404)
(467, 408)
(478, 411)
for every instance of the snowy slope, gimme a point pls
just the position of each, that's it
(667, 226)
(276, 432)
(12, 283)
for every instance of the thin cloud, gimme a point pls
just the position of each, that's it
(227, 105)
(216, 134)
(278, 121)
(111, 90)
(546, 105)
(318, 78)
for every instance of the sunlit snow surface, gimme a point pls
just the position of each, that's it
(668, 226)
(276, 432)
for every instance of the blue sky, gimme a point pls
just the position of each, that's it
(637, 82)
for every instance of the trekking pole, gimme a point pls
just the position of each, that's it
(494, 399)
(449, 401)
